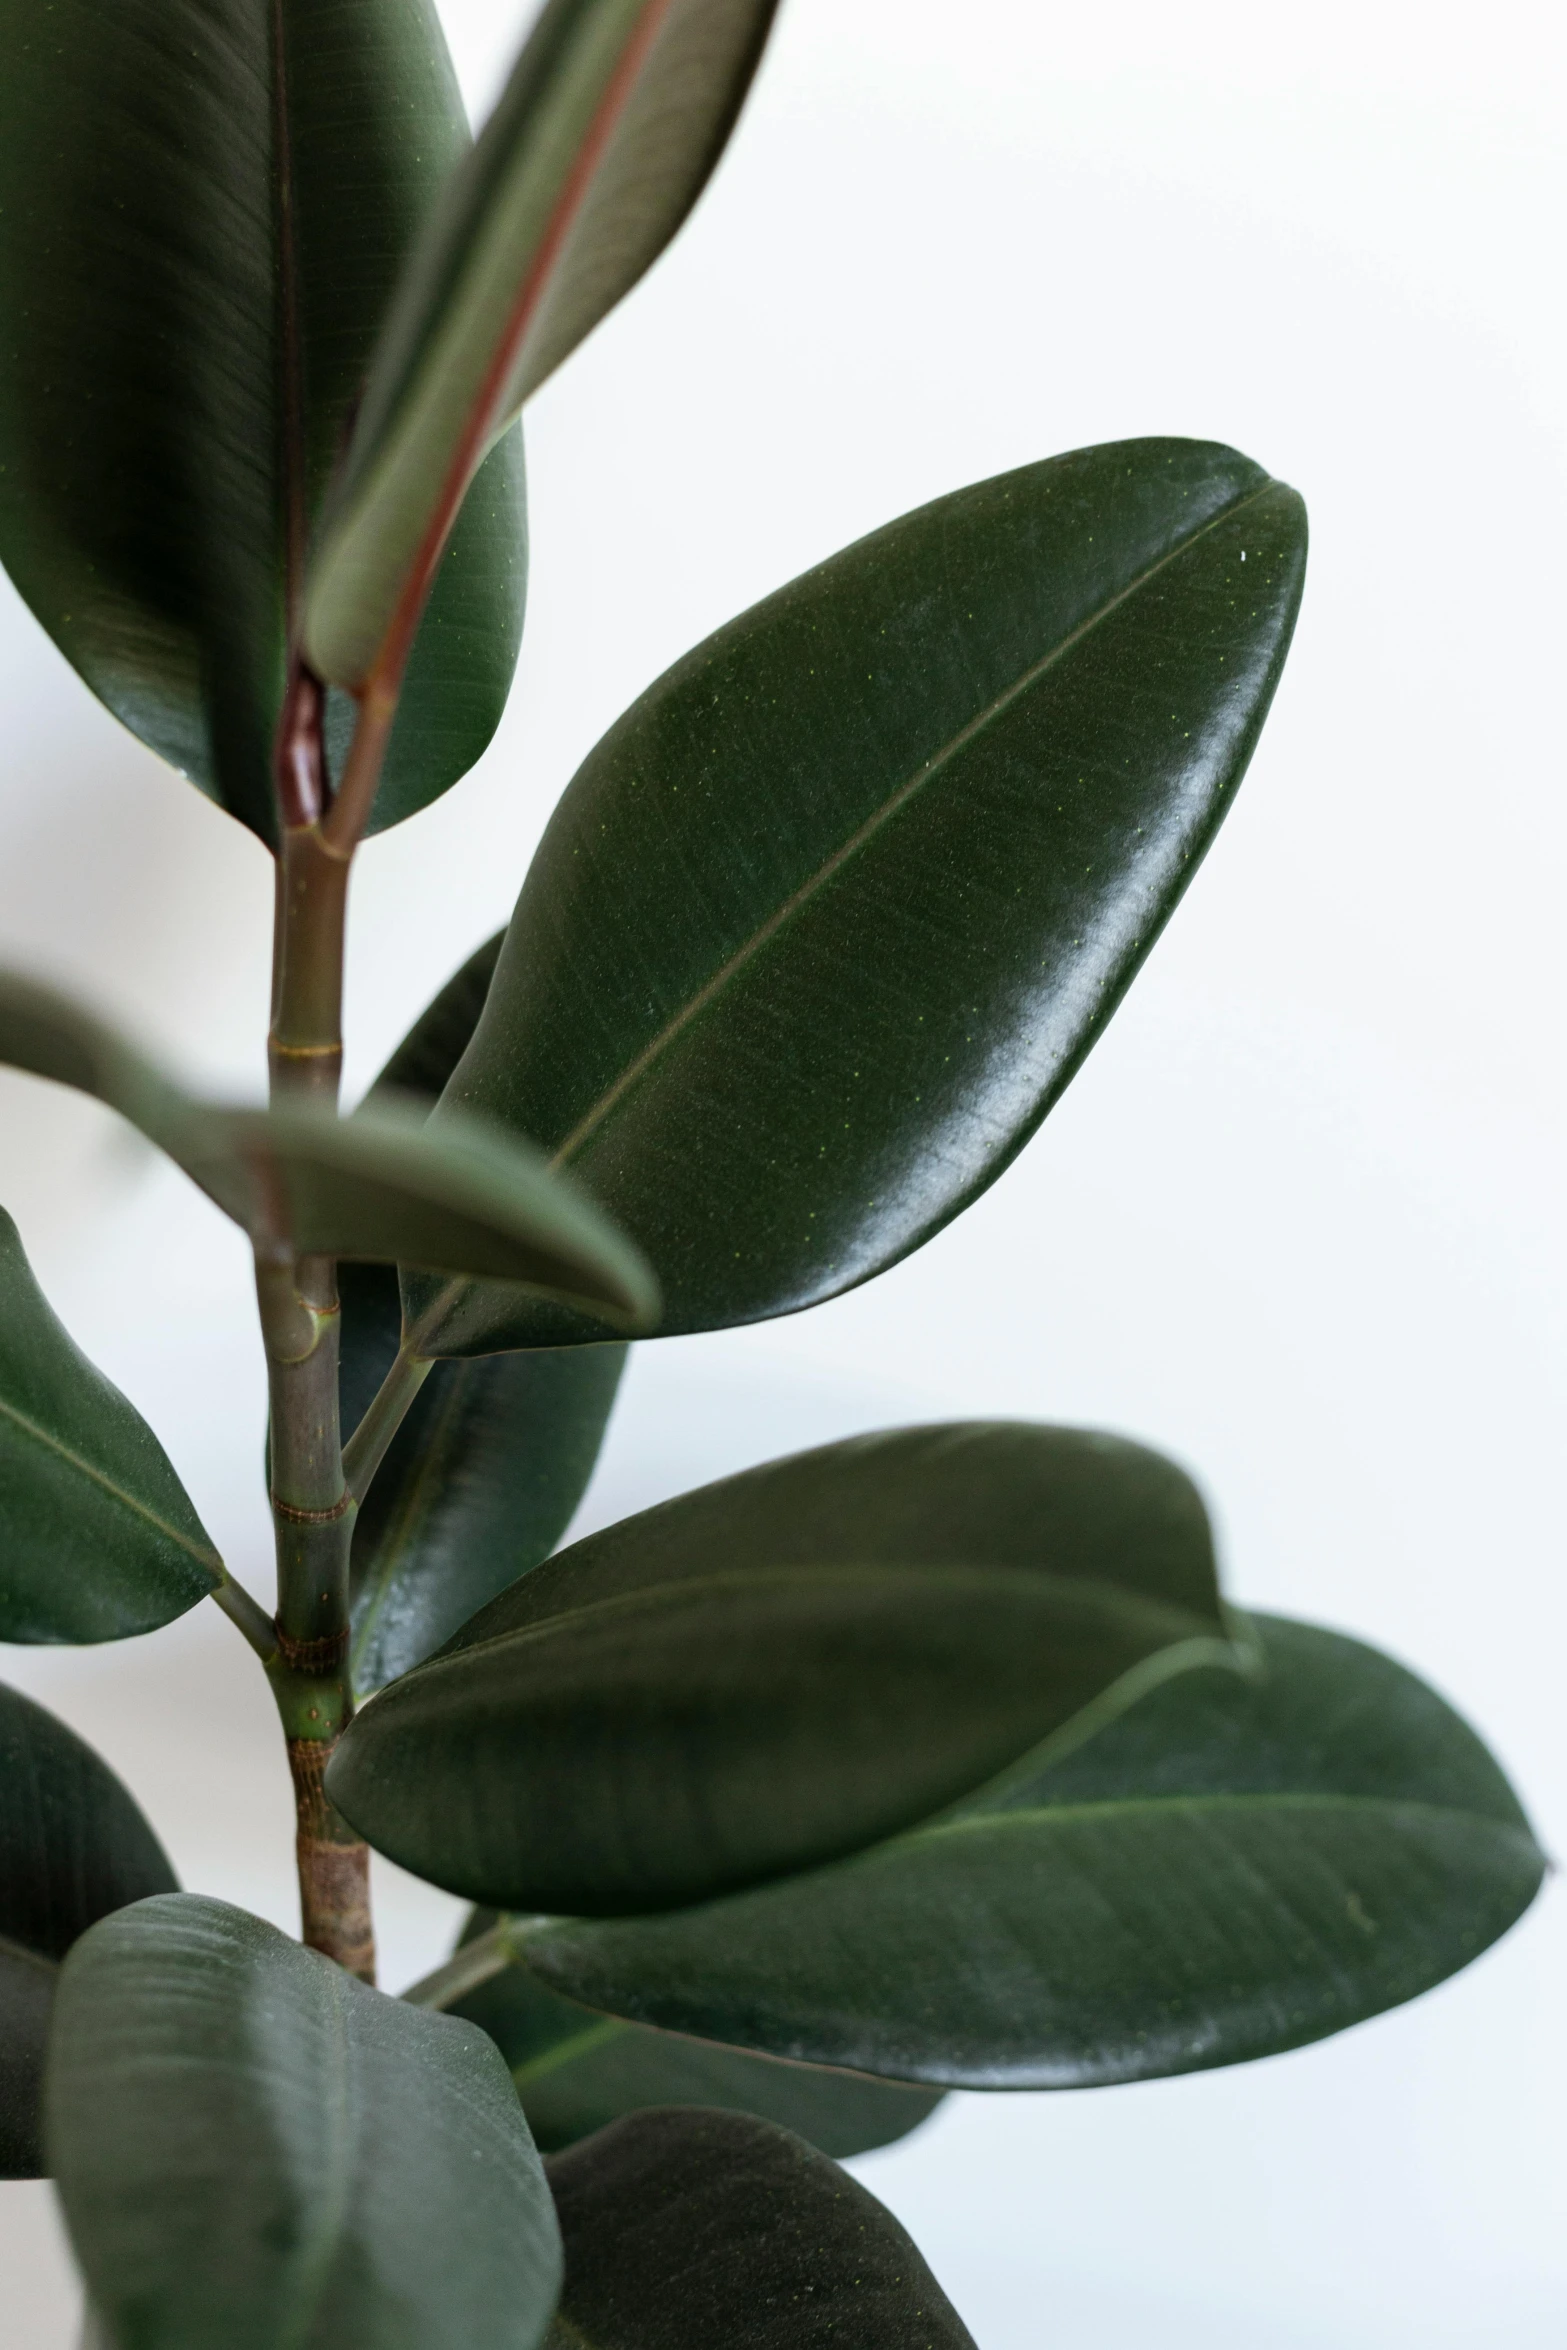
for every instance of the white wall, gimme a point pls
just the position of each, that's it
(1297, 1221)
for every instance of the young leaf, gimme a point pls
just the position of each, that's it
(829, 918)
(254, 2149)
(377, 1186)
(606, 134)
(73, 1847)
(787, 1665)
(1229, 1869)
(478, 1485)
(577, 2070)
(710, 2231)
(203, 212)
(100, 1539)
(483, 1476)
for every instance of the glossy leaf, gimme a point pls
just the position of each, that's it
(786, 1665)
(830, 917)
(73, 1846)
(1229, 1869)
(254, 2149)
(483, 1476)
(98, 1538)
(204, 208)
(606, 134)
(577, 2070)
(479, 1484)
(378, 1186)
(711, 2231)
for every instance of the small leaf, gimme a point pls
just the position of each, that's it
(376, 1186)
(786, 1665)
(710, 2231)
(100, 1538)
(483, 1476)
(478, 1486)
(829, 918)
(203, 214)
(73, 1847)
(606, 134)
(1229, 1869)
(253, 2149)
(577, 2070)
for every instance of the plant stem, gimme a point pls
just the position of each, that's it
(487, 1955)
(312, 1509)
(389, 1406)
(252, 1619)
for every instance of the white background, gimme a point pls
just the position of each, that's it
(1298, 1220)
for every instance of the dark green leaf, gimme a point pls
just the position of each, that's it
(73, 1846)
(710, 2231)
(1229, 1869)
(99, 1537)
(478, 1486)
(204, 208)
(483, 1476)
(255, 2150)
(829, 918)
(613, 119)
(378, 1186)
(577, 2070)
(789, 1664)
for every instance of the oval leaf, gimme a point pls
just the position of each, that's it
(577, 2070)
(73, 1847)
(829, 918)
(100, 1538)
(203, 213)
(606, 134)
(376, 1186)
(783, 1666)
(253, 2149)
(483, 1476)
(1230, 1869)
(710, 2231)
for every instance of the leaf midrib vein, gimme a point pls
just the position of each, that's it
(890, 807)
(1035, 1815)
(99, 1477)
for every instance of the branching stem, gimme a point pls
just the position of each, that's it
(487, 1955)
(389, 1407)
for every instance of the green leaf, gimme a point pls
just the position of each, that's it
(377, 1186)
(787, 1665)
(1230, 1869)
(73, 1846)
(577, 2070)
(204, 208)
(711, 2231)
(101, 1540)
(255, 2150)
(483, 1476)
(606, 134)
(831, 915)
(478, 1486)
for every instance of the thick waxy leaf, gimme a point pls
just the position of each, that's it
(482, 1477)
(377, 1186)
(204, 208)
(605, 136)
(254, 2149)
(73, 1846)
(98, 1538)
(479, 1484)
(1229, 1869)
(786, 1665)
(710, 2231)
(829, 918)
(577, 2070)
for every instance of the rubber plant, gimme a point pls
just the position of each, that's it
(932, 1759)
